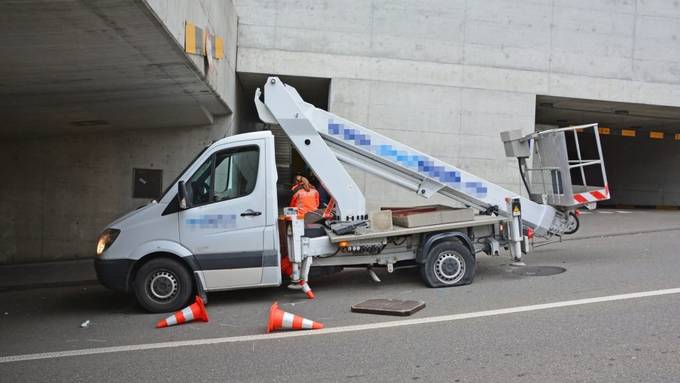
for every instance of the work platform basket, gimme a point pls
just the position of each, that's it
(566, 165)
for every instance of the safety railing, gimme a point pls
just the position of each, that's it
(576, 172)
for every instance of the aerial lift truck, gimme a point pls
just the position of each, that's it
(218, 227)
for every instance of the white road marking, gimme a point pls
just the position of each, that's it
(605, 212)
(336, 330)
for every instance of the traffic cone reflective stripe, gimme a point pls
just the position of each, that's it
(296, 322)
(311, 325)
(304, 323)
(288, 320)
(306, 289)
(196, 311)
(281, 320)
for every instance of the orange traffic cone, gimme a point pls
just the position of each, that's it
(191, 313)
(306, 289)
(281, 320)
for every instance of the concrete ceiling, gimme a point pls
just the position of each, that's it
(571, 111)
(71, 66)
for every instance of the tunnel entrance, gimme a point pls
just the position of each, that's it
(640, 144)
(289, 162)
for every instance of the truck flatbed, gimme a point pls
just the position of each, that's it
(397, 231)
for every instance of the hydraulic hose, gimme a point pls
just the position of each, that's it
(521, 173)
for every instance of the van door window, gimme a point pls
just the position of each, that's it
(235, 173)
(228, 174)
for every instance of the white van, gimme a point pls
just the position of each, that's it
(226, 240)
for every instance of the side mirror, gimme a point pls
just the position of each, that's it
(184, 202)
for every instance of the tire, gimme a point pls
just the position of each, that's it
(573, 224)
(163, 285)
(448, 263)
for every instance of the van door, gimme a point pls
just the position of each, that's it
(224, 228)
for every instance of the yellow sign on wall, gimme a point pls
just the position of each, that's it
(195, 42)
(192, 44)
(219, 47)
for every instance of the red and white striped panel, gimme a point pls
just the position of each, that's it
(593, 196)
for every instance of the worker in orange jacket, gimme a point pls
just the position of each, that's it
(306, 198)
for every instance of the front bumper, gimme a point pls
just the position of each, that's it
(114, 273)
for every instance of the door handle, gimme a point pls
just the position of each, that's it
(251, 213)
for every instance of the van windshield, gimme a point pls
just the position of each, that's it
(182, 172)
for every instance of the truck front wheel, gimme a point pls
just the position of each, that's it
(163, 285)
(448, 263)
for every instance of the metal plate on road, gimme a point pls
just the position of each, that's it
(538, 271)
(388, 307)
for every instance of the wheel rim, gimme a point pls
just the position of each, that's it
(449, 267)
(572, 224)
(163, 285)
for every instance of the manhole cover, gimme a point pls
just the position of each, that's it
(538, 271)
(388, 307)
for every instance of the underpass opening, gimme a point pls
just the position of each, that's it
(640, 145)
(289, 162)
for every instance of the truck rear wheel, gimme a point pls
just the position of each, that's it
(447, 264)
(572, 224)
(163, 285)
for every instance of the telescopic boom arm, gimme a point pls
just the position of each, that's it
(325, 139)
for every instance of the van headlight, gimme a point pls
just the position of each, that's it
(106, 239)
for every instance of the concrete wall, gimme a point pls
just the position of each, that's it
(619, 50)
(219, 16)
(447, 76)
(59, 193)
(435, 120)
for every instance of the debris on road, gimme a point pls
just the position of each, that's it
(85, 324)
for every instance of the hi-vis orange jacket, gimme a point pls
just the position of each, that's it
(305, 201)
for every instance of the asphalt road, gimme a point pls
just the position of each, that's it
(616, 252)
